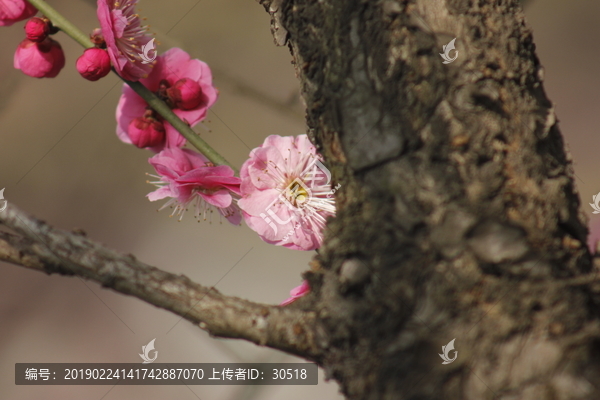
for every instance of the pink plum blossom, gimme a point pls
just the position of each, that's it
(189, 179)
(12, 11)
(286, 193)
(93, 64)
(296, 293)
(40, 60)
(185, 85)
(37, 29)
(124, 36)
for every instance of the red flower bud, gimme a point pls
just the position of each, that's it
(146, 132)
(186, 94)
(37, 29)
(93, 64)
(40, 60)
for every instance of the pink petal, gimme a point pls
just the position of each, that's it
(265, 162)
(235, 218)
(296, 293)
(12, 11)
(119, 22)
(221, 199)
(193, 117)
(159, 194)
(211, 176)
(171, 162)
(196, 159)
(258, 201)
(275, 231)
(594, 235)
(192, 69)
(280, 142)
(174, 61)
(301, 290)
(130, 106)
(174, 138)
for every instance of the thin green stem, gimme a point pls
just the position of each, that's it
(153, 101)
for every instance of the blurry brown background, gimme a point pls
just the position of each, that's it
(61, 161)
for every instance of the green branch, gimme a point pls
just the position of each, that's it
(153, 101)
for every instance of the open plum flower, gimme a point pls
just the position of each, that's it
(189, 179)
(185, 85)
(125, 36)
(286, 193)
(12, 11)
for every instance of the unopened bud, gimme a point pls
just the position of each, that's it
(185, 94)
(37, 29)
(146, 132)
(93, 64)
(40, 60)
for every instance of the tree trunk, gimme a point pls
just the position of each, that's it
(457, 216)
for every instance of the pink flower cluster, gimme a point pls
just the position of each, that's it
(185, 84)
(184, 176)
(120, 41)
(284, 191)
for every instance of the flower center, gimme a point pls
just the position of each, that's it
(162, 94)
(297, 193)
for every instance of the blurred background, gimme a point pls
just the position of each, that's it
(61, 161)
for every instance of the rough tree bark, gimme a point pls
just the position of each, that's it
(457, 216)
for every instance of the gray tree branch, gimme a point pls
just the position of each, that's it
(41, 247)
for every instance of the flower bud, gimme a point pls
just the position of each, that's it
(12, 11)
(40, 60)
(146, 132)
(185, 94)
(93, 64)
(37, 29)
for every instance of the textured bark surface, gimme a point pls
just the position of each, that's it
(457, 216)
